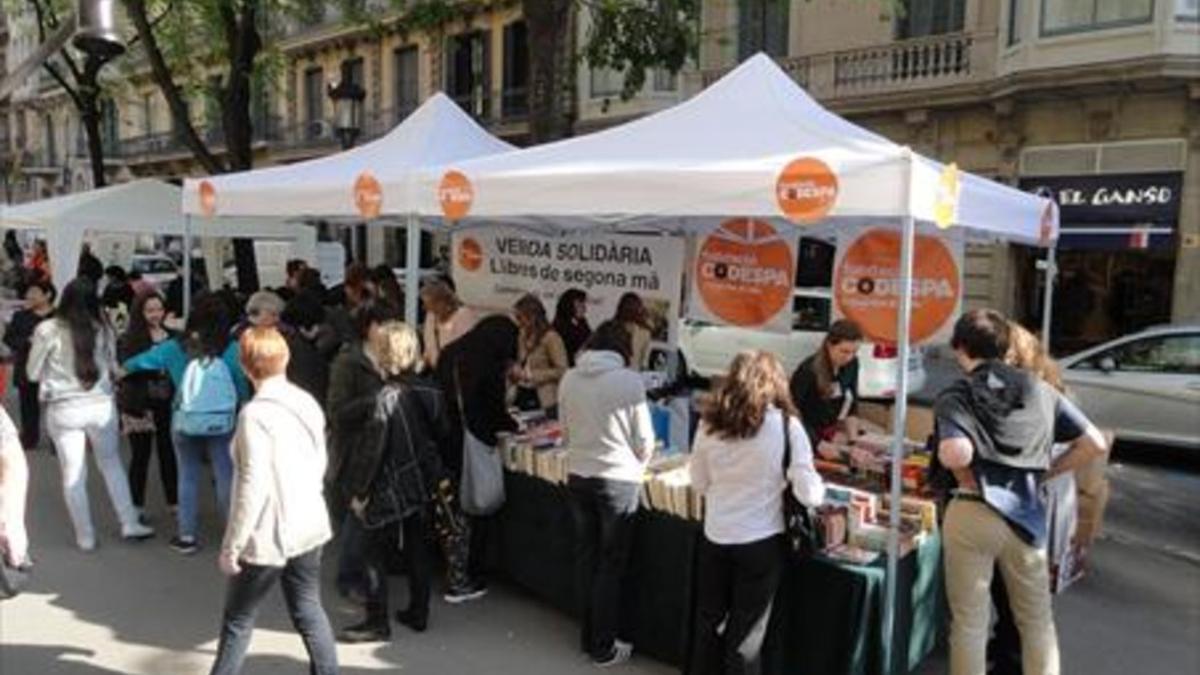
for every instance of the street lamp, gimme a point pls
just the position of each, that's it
(347, 98)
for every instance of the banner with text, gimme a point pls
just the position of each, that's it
(495, 266)
(866, 283)
(744, 275)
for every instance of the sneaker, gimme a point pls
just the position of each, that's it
(185, 545)
(86, 544)
(621, 652)
(365, 632)
(137, 532)
(457, 596)
(413, 620)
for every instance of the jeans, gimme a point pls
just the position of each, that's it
(31, 414)
(72, 425)
(737, 585)
(350, 574)
(190, 452)
(976, 540)
(603, 513)
(300, 578)
(142, 446)
(379, 543)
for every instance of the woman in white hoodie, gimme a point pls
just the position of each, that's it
(603, 409)
(72, 358)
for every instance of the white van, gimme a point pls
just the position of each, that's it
(709, 348)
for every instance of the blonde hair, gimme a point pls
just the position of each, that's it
(1025, 352)
(263, 352)
(756, 381)
(396, 348)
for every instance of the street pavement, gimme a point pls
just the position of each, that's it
(141, 608)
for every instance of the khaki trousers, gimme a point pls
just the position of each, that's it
(975, 540)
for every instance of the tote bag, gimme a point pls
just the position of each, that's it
(481, 491)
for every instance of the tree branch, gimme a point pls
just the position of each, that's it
(62, 82)
(162, 75)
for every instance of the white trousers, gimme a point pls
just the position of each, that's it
(71, 426)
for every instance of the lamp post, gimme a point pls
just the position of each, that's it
(347, 96)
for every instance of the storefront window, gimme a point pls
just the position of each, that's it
(1071, 16)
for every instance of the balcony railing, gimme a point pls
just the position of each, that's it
(939, 60)
(150, 146)
(904, 66)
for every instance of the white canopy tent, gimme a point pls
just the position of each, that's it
(348, 185)
(751, 145)
(139, 207)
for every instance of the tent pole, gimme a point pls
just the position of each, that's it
(412, 269)
(1048, 297)
(187, 265)
(899, 424)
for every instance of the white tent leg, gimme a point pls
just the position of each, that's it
(412, 270)
(1051, 272)
(899, 423)
(187, 265)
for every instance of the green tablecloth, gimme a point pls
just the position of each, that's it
(827, 619)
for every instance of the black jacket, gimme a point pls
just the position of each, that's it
(142, 391)
(474, 370)
(19, 336)
(354, 382)
(397, 463)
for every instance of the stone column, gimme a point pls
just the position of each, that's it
(1186, 297)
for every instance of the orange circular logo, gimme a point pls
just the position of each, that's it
(806, 190)
(744, 272)
(866, 285)
(208, 198)
(455, 195)
(470, 255)
(368, 195)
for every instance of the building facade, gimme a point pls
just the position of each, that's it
(1095, 101)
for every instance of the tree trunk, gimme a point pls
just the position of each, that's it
(245, 43)
(550, 63)
(89, 114)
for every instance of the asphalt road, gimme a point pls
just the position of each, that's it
(144, 609)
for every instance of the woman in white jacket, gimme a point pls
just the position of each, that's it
(72, 358)
(737, 463)
(278, 521)
(602, 405)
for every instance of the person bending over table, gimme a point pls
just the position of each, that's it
(825, 387)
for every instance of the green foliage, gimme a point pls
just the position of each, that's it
(634, 36)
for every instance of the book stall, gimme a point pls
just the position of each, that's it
(843, 583)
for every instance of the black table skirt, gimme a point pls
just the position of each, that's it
(827, 618)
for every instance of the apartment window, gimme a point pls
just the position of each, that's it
(468, 71)
(352, 69)
(314, 102)
(22, 129)
(763, 27)
(408, 85)
(665, 80)
(606, 82)
(50, 147)
(1187, 10)
(147, 114)
(1014, 22)
(923, 18)
(1073, 16)
(515, 101)
(110, 128)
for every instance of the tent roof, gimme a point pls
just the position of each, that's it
(436, 133)
(721, 154)
(144, 206)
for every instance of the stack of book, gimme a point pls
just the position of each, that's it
(668, 488)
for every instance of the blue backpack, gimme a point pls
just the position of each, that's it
(206, 403)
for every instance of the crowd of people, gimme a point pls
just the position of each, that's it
(320, 411)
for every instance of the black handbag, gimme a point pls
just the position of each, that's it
(13, 579)
(799, 521)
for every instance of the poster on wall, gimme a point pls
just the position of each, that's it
(743, 275)
(866, 283)
(495, 266)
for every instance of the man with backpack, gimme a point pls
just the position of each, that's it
(995, 430)
(209, 384)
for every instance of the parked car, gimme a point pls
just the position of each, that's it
(155, 268)
(1145, 386)
(709, 348)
